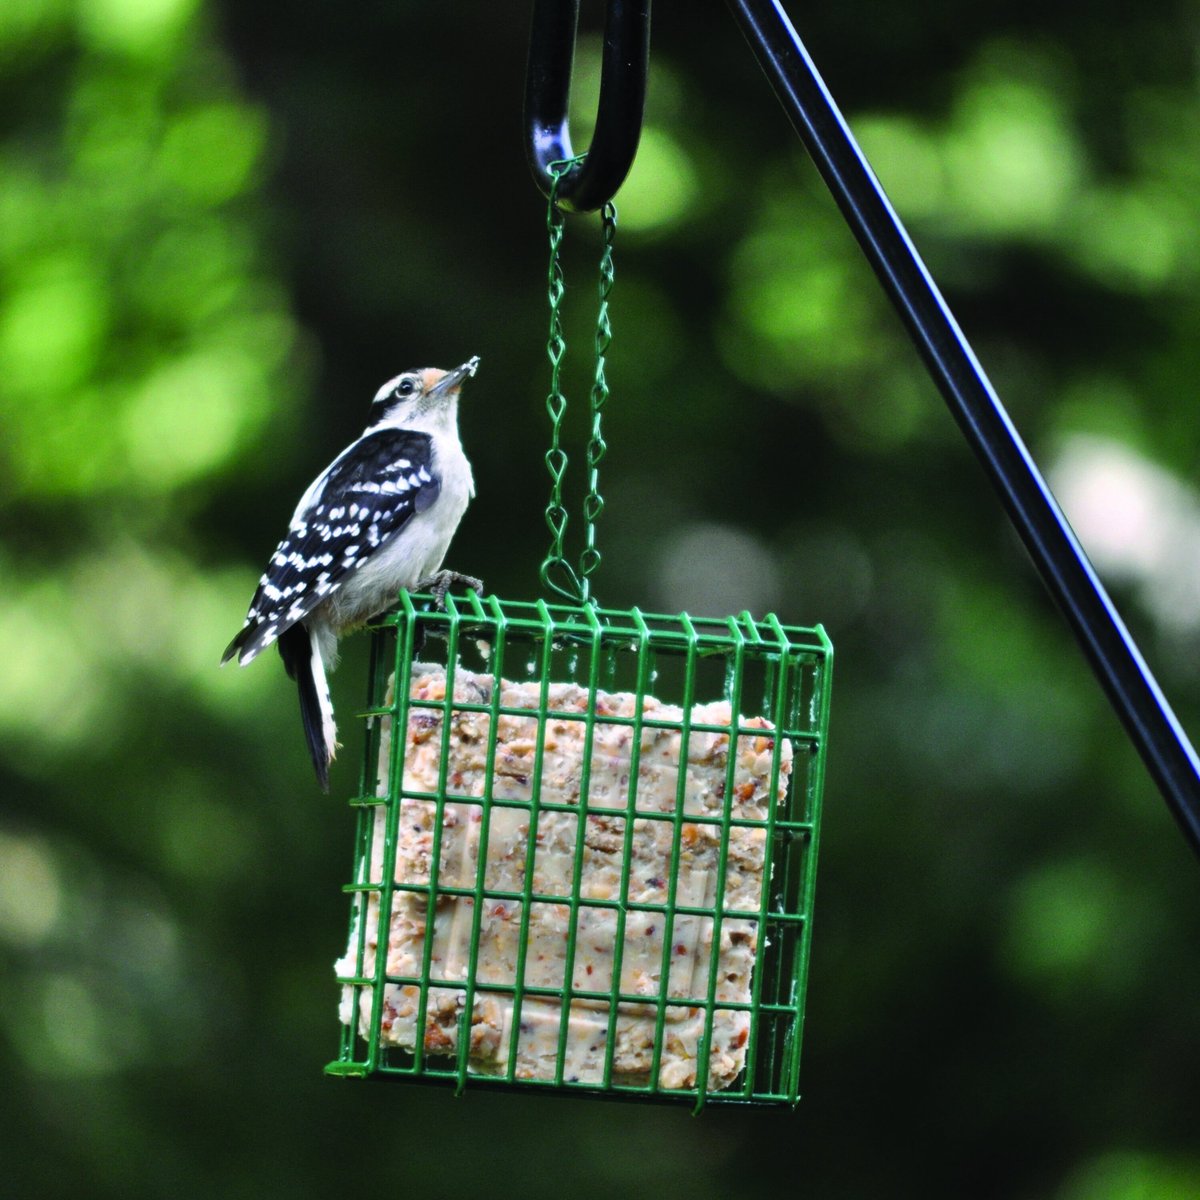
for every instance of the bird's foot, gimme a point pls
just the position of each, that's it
(438, 585)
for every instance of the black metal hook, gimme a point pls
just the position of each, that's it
(593, 180)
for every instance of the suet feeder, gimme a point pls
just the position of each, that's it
(590, 856)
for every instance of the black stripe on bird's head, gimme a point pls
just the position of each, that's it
(415, 395)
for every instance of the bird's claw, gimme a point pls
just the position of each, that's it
(438, 585)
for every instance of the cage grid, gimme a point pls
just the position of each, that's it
(691, 869)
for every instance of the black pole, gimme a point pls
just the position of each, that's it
(1031, 506)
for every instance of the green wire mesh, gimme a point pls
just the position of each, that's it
(533, 823)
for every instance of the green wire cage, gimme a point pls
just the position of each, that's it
(587, 864)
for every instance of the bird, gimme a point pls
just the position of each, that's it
(378, 519)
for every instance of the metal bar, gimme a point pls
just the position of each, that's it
(588, 184)
(1056, 553)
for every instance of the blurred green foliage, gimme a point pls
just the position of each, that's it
(222, 225)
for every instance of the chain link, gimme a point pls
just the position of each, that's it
(593, 504)
(557, 574)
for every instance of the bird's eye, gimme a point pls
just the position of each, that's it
(405, 387)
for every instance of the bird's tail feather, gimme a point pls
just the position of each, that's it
(301, 654)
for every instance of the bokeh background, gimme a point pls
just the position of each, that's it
(222, 225)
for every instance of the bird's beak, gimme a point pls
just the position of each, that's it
(452, 380)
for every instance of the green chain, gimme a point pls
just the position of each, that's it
(555, 566)
(593, 504)
(556, 573)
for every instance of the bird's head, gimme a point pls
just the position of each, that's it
(425, 397)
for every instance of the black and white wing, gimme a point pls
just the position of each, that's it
(368, 494)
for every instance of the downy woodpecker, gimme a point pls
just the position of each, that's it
(379, 518)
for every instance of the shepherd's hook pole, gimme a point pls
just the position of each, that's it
(1057, 555)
